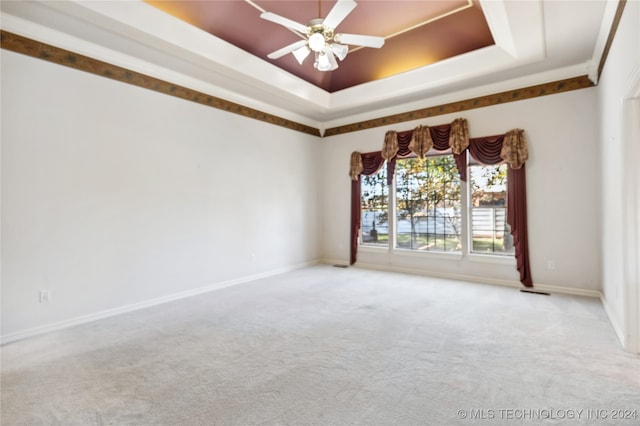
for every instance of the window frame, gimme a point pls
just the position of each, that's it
(466, 231)
(361, 242)
(469, 216)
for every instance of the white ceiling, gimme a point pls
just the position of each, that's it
(536, 42)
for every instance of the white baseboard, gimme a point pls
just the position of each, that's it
(617, 328)
(20, 335)
(552, 288)
(340, 262)
(482, 280)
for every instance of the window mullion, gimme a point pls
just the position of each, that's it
(465, 210)
(391, 202)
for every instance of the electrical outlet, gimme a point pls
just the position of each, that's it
(551, 264)
(253, 258)
(45, 296)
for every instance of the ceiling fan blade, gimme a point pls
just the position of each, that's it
(287, 49)
(340, 10)
(285, 22)
(360, 40)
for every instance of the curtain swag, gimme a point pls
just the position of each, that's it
(356, 165)
(510, 148)
(421, 141)
(390, 145)
(514, 148)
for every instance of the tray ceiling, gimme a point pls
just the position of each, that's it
(417, 33)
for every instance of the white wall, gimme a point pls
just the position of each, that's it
(620, 75)
(114, 195)
(562, 183)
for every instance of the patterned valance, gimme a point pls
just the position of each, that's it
(390, 145)
(356, 165)
(421, 141)
(459, 136)
(511, 147)
(514, 148)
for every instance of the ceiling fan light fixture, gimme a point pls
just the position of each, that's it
(317, 42)
(301, 53)
(340, 50)
(322, 62)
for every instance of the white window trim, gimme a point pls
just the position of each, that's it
(498, 259)
(371, 248)
(442, 255)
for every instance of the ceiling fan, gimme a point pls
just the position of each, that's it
(318, 36)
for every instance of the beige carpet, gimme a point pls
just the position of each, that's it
(331, 346)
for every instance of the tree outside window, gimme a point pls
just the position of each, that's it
(428, 207)
(375, 209)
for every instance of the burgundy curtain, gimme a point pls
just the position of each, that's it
(487, 151)
(372, 162)
(517, 218)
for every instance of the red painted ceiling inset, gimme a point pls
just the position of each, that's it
(443, 29)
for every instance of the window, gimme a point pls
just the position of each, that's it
(375, 209)
(425, 206)
(428, 210)
(490, 233)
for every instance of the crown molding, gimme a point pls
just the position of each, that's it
(35, 49)
(545, 89)
(50, 53)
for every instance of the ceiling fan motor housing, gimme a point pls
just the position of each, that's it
(316, 26)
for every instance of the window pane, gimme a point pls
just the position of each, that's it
(490, 232)
(428, 204)
(375, 210)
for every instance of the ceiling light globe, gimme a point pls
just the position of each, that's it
(316, 42)
(340, 50)
(322, 63)
(301, 53)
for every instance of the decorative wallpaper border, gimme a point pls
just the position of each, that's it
(29, 47)
(35, 49)
(480, 102)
